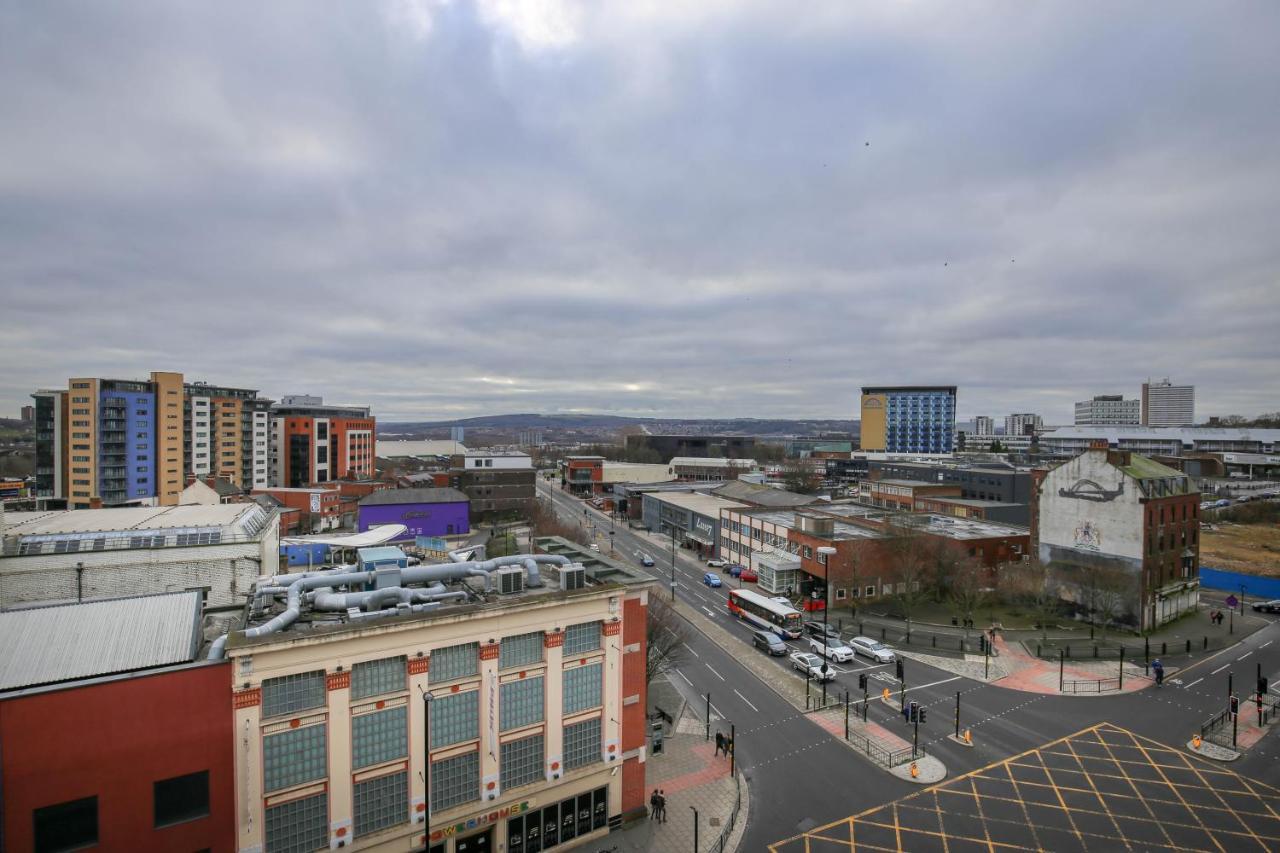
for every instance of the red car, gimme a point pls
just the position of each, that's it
(748, 576)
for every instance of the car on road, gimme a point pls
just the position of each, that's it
(646, 561)
(833, 648)
(717, 563)
(1221, 503)
(1272, 606)
(820, 629)
(874, 649)
(712, 580)
(594, 547)
(811, 666)
(748, 576)
(735, 570)
(768, 641)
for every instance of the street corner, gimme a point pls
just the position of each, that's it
(925, 770)
(1211, 751)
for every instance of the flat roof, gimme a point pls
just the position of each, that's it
(912, 484)
(432, 447)
(973, 502)
(891, 389)
(708, 505)
(130, 518)
(43, 645)
(712, 462)
(1187, 435)
(763, 495)
(414, 496)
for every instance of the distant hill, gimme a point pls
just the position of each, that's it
(748, 426)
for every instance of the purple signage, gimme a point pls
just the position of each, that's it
(422, 519)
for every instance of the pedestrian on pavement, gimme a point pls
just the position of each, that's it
(1157, 669)
(655, 812)
(720, 744)
(662, 807)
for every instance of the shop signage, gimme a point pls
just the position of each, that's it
(482, 820)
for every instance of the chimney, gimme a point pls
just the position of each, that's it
(1098, 446)
(1119, 458)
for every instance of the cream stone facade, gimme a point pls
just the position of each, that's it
(330, 727)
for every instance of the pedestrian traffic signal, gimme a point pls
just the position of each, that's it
(862, 681)
(1235, 705)
(899, 670)
(1262, 686)
(923, 712)
(982, 643)
(913, 712)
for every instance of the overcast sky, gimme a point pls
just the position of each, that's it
(448, 209)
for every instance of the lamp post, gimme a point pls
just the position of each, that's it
(825, 552)
(426, 767)
(695, 829)
(672, 528)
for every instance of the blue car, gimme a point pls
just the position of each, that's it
(735, 570)
(711, 579)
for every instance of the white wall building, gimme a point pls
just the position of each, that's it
(1108, 410)
(1018, 424)
(1167, 405)
(984, 425)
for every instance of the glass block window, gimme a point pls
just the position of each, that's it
(381, 802)
(521, 702)
(582, 638)
(298, 826)
(520, 650)
(380, 736)
(582, 743)
(455, 718)
(375, 677)
(292, 757)
(455, 780)
(583, 687)
(455, 662)
(293, 693)
(522, 762)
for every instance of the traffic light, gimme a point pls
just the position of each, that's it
(982, 643)
(923, 713)
(862, 681)
(913, 712)
(1262, 686)
(899, 670)
(1235, 705)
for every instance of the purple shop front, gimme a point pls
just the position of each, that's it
(422, 519)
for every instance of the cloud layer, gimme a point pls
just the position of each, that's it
(450, 208)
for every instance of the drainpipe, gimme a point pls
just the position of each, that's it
(79, 582)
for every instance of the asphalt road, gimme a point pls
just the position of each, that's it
(801, 776)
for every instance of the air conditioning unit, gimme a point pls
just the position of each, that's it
(573, 577)
(510, 580)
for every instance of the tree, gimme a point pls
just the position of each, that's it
(798, 476)
(1029, 583)
(908, 553)
(665, 633)
(1111, 587)
(968, 587)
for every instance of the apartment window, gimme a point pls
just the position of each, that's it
(374, 677)
(181, 798)
(582, 638)
(298, 826)
(455, 781)
(380, 736)
(522, 761)
(522, 703)
(381, 802)
(292, 693)
(582, 743)
(455, 718)
(520, 650)
(870, 591)
(583, 686)
(293, 757)
(66, 826)
(455, 662)
(840, 594)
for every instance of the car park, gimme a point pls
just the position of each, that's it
(748, 576)
(874, 649)
(646, 560)
(1272, 606)
(712, 580)
(769, 642)
(811, 666)
(717, 563)
(833, 648)
(820, 629)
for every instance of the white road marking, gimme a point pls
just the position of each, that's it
(748, 701)
(690, 650)
(709, 613)
(932, 684)
(713, 669)
(1220, 669)
(685, 677)
(1193, 684)
(717, 711)
(1243, 656)
(1267, 643)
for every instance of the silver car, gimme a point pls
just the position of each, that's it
(833, 648)
(811, 666)
(874, 649)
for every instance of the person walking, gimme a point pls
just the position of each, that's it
(720, 744)
(1157, 669)
(654, 814)
(662, 807)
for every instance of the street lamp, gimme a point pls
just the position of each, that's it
(825, 552)
(426, 767)
(695, 829)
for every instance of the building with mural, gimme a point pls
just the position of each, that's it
(423, 512)
(1121, 535)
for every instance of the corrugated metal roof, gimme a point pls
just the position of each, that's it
(393, 497)
(44, 645)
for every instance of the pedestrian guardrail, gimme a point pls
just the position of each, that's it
(1090, 685)
(719, 845)
(1219, 729)
(881, 755)
(1078, 649)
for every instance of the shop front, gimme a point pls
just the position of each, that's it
(545, 822)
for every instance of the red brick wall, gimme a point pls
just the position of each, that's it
(634, 617)
(115, 740)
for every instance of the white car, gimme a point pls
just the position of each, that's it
(874, 649)
(811, 666)
(717, 563)
(594, 547)
(833, 648)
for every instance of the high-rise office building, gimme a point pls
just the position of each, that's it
(909, 419)
(1019, 424)
(315, 443)
(984, 425)
(1108, 410)
(1166, 404)
(114, 442)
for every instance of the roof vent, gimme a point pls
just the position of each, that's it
(573, 577)
(510, 580)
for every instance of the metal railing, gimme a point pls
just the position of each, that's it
(1090, 685)
(1218, 729)
(882, 755)
(719, 845)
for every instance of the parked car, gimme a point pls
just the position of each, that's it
(1272, 606)
(712, 580)
(594, 546)
(735, 570)
(818, 629)
(811, 666)
(768, 641)
(1222, 502)
(646, 560)
(748, 576)
(717, 563)
(833, 648)
(874, 649)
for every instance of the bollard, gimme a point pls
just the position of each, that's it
(935, 641)
(882, 634)
(1037, 650)
(1188, 646)
(1206, 643)
(1164, 649)
(1067, 652)
(968, 736)
(915, 771)
(1195, 741)
(1095, 651)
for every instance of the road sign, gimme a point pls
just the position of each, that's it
(1232, 601)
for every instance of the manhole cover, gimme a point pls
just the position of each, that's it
(715, 821)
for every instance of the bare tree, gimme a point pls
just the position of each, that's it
(798, 476)
(969, 588)
(1029, 583)
(665, 634)
(908, 552)
(1110, 588)
(545, 522)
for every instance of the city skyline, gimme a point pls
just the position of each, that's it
(443, 210)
